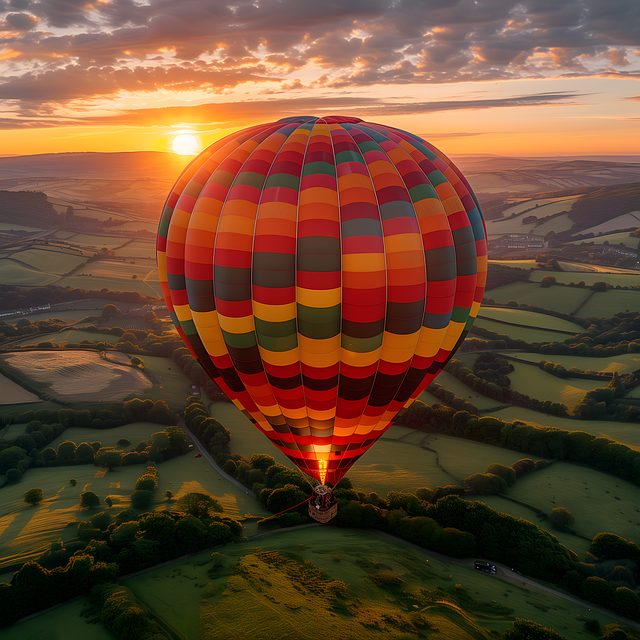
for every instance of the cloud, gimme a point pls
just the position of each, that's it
(240, 113)
(68, 49)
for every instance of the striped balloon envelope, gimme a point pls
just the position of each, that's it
(322, 271)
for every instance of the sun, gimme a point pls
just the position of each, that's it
(186, 144)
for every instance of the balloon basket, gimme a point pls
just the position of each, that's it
(322, 505)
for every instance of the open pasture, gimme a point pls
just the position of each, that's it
(623, 363)
(621, 237)
(558, 298)
(77, 376)
(13, 393)
(137, 249)
(519, 332)
(451, 383)
(200, 601)
(169, 383)
(529, 319)
(614, 279)
(135, 432)
(536, 383)
(17, 273)
(608, 303)
(51, 260)
(112, 283)
(584, 492)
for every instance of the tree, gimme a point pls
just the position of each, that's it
(168, 495)
(561, 518)
(89, 500)
(11, 457)
(84, 453)
(108, 457)
(66, 452)
(141, 499)
(33, 496)
(528, 630)
(198, 504)
(108, 501)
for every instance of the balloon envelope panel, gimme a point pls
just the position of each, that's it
(322, 271)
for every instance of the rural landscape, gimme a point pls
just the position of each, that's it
(137, 502)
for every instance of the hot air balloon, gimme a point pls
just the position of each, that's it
(322, 271)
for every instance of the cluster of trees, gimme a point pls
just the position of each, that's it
(494, 367)
(451, 399)
(574, 446)
(559, 371)
(25, 327)
(145, 488)
(493, 389)
(111, 547)
(608, 402)
(45, 425)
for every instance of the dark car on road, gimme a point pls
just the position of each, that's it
(485, 567)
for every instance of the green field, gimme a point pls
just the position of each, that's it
(589, 278)
(134, 432)
(25, 531)
(204, 603)
(12, 272)
(169, 383)
(608, 303)
(558, 298)
(137, 249)
(627, 432)
(528, 334)
(113, 283)
(61, 623)
(246, 439)
(529, 319)
(598, 501)
(451, 383)
(69, 336)
(536, 383)
(622, 237)
(623, 363)
(50, 260)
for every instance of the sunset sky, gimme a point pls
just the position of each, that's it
(536, 77)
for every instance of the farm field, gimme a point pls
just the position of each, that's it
(13, 393)
(68, 336)
(146, 288)
(27, 531)
(462, 457)
(528, 334)
(135, 432)
(169, 383)
(529, 319)
(97, 241)
(533, 381)
(451, 383)
(626, 432)
(137, 249)
(558, 298)
(584, 492)
(188, 596)
(21, 274)
(623, 363)
(64, 622)
(589, 277)
(50, 260)
(77, 376)
(621, 237)
(611, 301)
